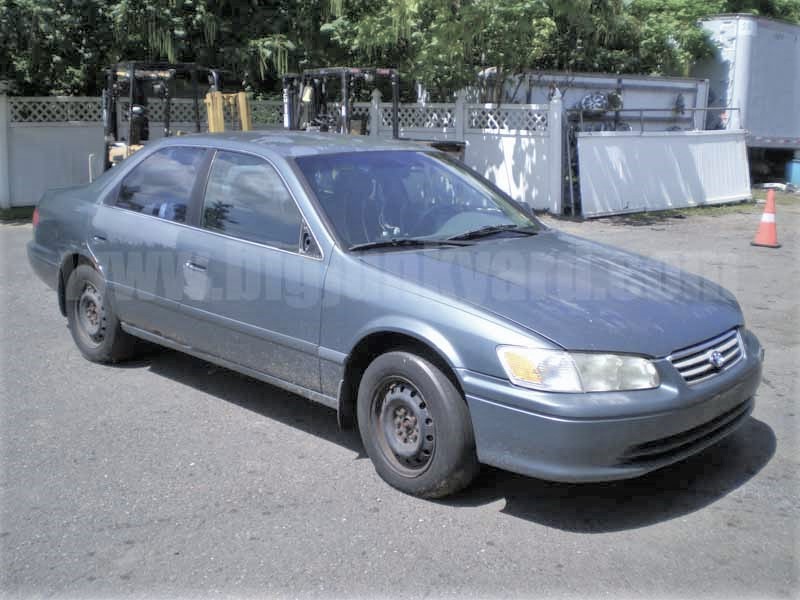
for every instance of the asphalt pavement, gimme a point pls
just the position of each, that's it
(169, 477)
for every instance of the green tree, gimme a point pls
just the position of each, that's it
(445, 43)
(250, 39)
(62, 46)
(53, 46)
(670, 41)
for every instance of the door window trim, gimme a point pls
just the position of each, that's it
(110, 195)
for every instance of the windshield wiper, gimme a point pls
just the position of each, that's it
(492, 229)
(398, 242)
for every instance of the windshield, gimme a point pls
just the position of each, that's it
(404, 194)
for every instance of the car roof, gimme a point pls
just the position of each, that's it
(290, 144)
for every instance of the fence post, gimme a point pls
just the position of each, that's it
(460, 114)
(5, 183)
(375, 113)
(555, 132)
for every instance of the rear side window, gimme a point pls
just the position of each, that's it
(161, 185)
(246, 198)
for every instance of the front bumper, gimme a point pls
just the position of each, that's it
(610, 435)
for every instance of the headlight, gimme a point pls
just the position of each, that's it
(560, 371)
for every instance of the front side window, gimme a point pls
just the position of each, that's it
(161, 185)
(246, 198)
(405, 195)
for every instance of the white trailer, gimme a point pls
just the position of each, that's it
(756, 67)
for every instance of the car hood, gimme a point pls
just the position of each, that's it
(579, 294)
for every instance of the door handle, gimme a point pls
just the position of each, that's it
(194, 266)
(98, 238)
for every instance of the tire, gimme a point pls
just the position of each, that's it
(415, 426)
(92, 321)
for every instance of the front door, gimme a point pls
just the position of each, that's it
(252, 279)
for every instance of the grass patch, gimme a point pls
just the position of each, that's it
(747, 207)
(658, 216)
(16, 213)
(781, 198)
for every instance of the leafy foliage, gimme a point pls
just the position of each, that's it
(54, 46)
(447, 43)
(61, 46)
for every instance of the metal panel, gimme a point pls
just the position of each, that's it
(638, 91)
(621, 172)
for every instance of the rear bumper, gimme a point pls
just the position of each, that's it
(42, 264)
(600, 437)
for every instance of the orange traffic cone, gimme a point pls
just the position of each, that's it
(767, 234)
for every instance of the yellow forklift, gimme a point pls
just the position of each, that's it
(145, 83)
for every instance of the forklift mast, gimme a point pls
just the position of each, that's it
(311, 90)
(139, 81)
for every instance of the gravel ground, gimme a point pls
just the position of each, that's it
(171, 478)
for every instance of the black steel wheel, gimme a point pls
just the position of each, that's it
(92, 321)
(415, 426)
(404, 424)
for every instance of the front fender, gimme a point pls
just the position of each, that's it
(413, 328)
(360, 300)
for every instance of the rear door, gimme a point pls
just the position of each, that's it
(253, 275)
(135, 237)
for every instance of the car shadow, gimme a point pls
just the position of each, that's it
(665, 494)
(261, 398)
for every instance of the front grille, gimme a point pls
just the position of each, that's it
(688, 441)
(710, 358)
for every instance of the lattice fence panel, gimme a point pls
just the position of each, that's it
(180, 111)
(264, 112)
(420, 117)
(359, 111)
(55, 110)
(267, 112)
(507, 118)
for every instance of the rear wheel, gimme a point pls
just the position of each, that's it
(415, 426)
(92, 321)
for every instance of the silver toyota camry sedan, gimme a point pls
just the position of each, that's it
(394, 285)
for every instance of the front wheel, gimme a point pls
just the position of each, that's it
(415, 426)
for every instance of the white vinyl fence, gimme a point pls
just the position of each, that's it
(518, 147)
(47, 142)
(624, 172)
(50, 142)
(510, 144)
